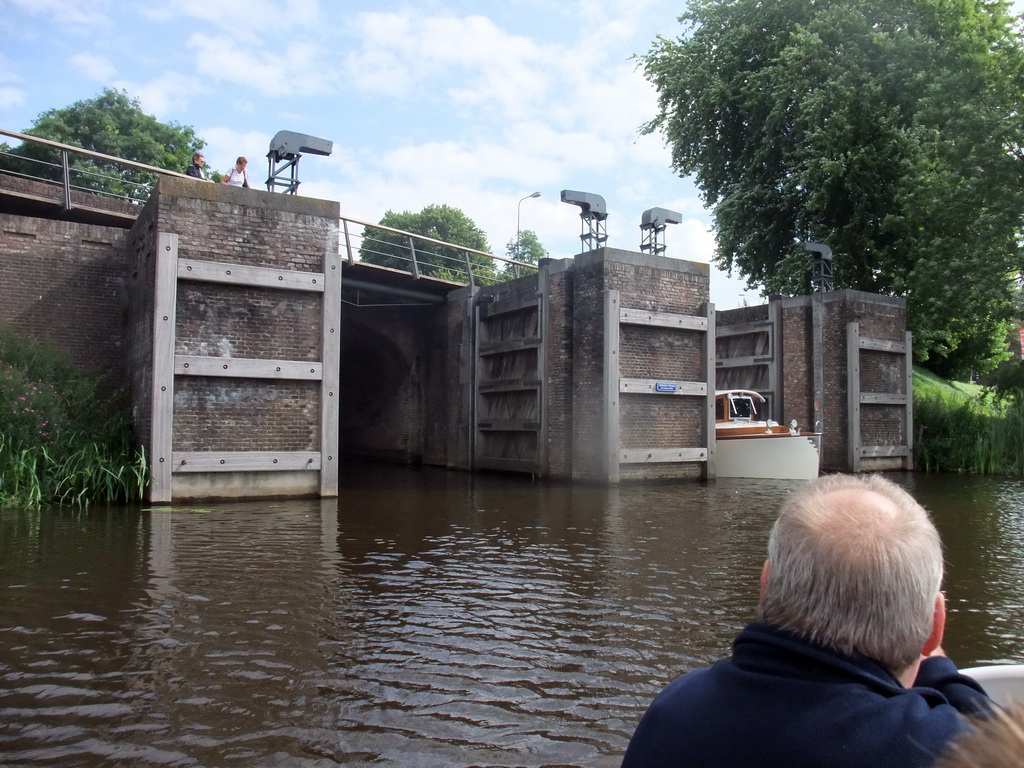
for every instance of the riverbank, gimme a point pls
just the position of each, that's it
(65, 437)
(962, 428)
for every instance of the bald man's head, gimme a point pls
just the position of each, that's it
(855, 564)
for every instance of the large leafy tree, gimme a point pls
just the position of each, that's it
(439, 222)
(891, 130)
(114, 124)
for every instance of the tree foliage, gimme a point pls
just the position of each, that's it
(439, 222)
(892, 130)
(526, 248)
(113, 124)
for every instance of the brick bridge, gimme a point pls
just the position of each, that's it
(259, 356)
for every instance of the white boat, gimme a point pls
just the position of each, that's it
(1002, 682)
(751, 446)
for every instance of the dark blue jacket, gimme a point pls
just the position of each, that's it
(780, 701)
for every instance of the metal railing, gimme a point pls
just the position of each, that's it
(84, 179)
(423, 256)
(419, 255)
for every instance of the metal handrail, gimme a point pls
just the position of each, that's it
(416, 242)
(90, 153)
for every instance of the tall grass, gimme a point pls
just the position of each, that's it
(63, 437)
(968, 434)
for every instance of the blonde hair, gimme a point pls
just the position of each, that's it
(996, 741)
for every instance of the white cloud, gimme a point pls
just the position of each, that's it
(164, 96)
(298, 70)
(72, 14)
(93, 66)
(242, 18)
(469, 60)
(11, 96)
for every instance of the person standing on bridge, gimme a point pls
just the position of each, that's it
(196, 170)
(845, 667)
(237, 176)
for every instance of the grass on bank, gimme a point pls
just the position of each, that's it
(964, 428)
(63, 437)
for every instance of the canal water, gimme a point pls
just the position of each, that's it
(424, 618)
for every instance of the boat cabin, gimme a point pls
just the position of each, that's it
(737, 405)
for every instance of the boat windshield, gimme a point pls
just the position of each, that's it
(742, 408)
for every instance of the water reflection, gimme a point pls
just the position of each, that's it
(426, 618)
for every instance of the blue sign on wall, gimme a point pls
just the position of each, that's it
(665, 386)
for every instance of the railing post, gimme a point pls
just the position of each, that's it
(469, 268)
(348, 242)
(67, 179)
(412, 252)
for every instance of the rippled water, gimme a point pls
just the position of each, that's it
(425, 618)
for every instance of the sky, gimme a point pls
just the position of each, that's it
(470, 104)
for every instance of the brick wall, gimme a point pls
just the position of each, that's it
(797, 396)
(64, 282)
(648, 283)
(879, 318)
(251, 228)
(559, 287)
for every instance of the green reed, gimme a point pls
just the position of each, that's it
(972, 436)
(64, 436)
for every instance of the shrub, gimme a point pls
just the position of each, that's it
(62, 437)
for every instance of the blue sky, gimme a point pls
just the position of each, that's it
(473, 104)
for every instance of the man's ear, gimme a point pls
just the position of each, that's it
(934, 640)
(764, 579)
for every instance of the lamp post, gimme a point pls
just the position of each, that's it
(519, 207)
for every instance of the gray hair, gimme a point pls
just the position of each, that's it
(855, 566)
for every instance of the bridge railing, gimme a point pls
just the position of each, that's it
(75, 169)
(106, 175)
(422, 256)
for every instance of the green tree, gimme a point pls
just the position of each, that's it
(889, 129)
(527, 248)
(113, 124)
(439, 222)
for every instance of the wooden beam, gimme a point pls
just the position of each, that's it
(662, 455)
(258, 277)
(248, 368)
(610, 368)
(882, 398)
(245, 461)
(662, 320)
(330, 379)
(876, 451)
(165, 304)
(663, 387)
(882, 345)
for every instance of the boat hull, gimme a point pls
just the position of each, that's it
(780, 457)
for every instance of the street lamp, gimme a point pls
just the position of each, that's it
(519, 255)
